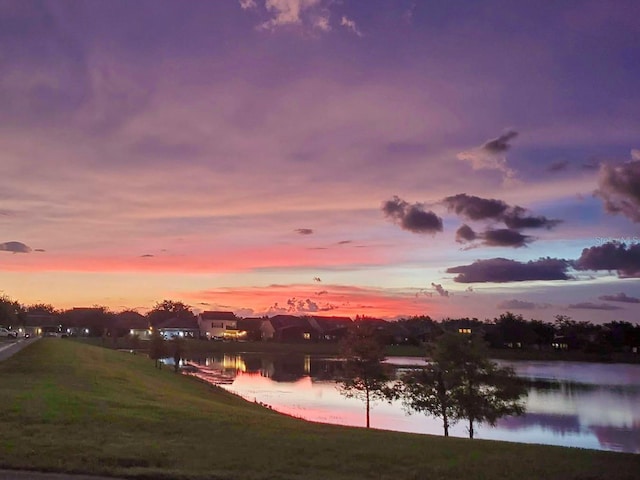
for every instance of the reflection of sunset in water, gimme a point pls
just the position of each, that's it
(570, 404)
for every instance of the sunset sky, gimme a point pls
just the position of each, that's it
(334, 157)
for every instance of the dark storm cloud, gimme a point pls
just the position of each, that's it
(502, 270)
(465, 234)
(619, 188)
(304, 231)
(413, 218)
(500, 144)
(517, 305)
(611, 256)
(619, 297)
(475, 208)
(594, 306)
(440, 289)
(14, 247)
(559, 166)
(505, 237)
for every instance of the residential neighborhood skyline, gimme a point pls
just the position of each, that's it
(312, 157)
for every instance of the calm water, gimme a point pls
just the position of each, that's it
(585, 405)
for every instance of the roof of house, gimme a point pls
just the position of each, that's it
(41, 319)
(281, 322)
(178, 323)
(131, 319)
(328, 324)
(249, 323)
(218, 315)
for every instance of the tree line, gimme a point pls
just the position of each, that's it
(508, 330)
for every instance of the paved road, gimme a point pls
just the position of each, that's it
(8, 348)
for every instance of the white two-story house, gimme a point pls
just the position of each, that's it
(219, 325)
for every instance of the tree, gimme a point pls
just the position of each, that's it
(168, 309)
(483, 391)
(365, 377)
(430, 390)
(157, 348)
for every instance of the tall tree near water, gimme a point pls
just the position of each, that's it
(365, 377)
(484, 391)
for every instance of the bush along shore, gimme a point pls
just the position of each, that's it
(71, 407)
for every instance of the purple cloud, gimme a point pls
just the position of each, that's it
(413, 218)
(611, 256)
(619, 297)
(502, 270)
(619, 188)
(15, 247)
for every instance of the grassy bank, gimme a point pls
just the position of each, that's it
(65, 406)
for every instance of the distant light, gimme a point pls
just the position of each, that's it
(86, 330)
(131, 332)
(68, 330)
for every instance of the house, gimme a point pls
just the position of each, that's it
(252, 327)
(86, 321)
(179, 327)
(40, 322)
(132, 323)
(288, 328)
(219, 325)
(330, 328)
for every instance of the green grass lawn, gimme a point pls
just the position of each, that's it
(70, 407)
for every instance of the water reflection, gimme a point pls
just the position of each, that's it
(572, 404)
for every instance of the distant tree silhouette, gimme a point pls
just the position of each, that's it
(168, 309)
(364, 377)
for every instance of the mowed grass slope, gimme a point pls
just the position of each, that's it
(69, 407)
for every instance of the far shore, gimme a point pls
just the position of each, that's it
(202, 348)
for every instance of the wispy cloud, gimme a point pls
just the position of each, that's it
(619, 297)
(515, 304)
(491, 155)
(593, 306)
(349, 24)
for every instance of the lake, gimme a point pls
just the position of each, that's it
(574, 404)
